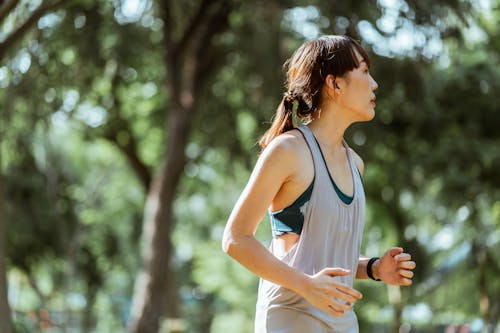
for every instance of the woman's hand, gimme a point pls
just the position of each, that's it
(395, 267)
(325, 293)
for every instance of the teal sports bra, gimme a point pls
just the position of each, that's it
(291, 219)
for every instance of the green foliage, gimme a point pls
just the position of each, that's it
(89, 84)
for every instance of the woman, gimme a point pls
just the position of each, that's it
(310, 181)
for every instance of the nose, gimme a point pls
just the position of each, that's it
(374, 84)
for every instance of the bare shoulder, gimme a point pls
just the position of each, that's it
(288, 145)
(358, 160)
(287, 150)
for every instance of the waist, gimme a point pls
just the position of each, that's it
(348, 322)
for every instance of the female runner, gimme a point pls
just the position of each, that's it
(309, 181)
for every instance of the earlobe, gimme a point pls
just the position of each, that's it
(331, 87)
(330, 82)
(333, 84)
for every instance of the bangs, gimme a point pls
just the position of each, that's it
(339, 56)
(356, 46)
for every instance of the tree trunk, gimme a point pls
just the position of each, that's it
(5, 316)
(207, 313)
(149, 303)
(188, 61)
(398, 314)
(88, 321)
(484, 301)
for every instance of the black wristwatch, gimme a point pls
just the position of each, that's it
(369, 268)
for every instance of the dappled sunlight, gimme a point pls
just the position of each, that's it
(129, 128)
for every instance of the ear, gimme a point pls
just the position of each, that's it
(331, 82)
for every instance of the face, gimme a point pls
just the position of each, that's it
(356, 92)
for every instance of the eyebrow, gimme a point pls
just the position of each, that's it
(363, 61)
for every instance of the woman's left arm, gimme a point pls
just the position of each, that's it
(394, 267)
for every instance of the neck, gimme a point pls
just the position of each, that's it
(329, 126)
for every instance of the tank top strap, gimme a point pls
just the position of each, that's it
(352, 164)
(350, 159)
(319, 166)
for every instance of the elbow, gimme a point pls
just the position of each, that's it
(232, 243)
(235, 241)
(228, 244)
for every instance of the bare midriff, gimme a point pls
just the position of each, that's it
(282, 244)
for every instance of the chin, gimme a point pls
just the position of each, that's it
(371, 115)
(363, 115)
(367, 116)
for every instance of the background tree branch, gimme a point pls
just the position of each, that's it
(6, 8)
(24, 27)
(118, 131)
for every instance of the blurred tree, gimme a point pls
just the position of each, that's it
(437, 152)
(5, 321)
(188, 62)
(185, 86)
(21, 16)
(11, 15)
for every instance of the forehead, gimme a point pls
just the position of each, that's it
(359, 58)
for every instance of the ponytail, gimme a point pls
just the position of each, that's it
(282, 122)
(291, 105)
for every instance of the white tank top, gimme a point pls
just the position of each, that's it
(331, 237)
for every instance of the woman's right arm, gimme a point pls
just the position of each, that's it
(276, 166)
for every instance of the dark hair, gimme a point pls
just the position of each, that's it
(306, 72)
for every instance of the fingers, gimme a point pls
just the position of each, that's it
(394, 251)
(336, 271)
(403, 257)
(337, 313)
(337, 309)
(342, 297)
(406, 274)
(407, 265)
(331, 296)
(351, 294)
(405, 282)
(338, 305)
(405, 269)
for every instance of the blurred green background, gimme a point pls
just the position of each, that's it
(128, 129)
